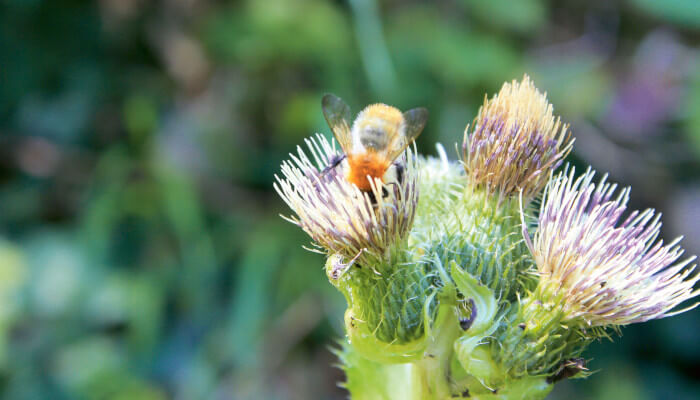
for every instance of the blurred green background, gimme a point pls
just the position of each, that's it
(141, 251)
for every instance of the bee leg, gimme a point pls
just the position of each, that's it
(400, 176)
(373, 198)
(324, 175)
(400, 172)
(335, 161)
(385, 192)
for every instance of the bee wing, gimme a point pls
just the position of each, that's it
(338, 116)
(414, 121)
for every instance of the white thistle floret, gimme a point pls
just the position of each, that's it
(606, 270)
(338, 216)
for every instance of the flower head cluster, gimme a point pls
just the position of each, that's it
(338, 216)
(515, 141)
(446, 290)
(608, 270)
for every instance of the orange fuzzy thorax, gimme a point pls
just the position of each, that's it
(362, 165)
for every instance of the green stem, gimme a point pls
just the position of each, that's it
(433, 369)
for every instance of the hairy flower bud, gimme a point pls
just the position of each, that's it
(515, 141)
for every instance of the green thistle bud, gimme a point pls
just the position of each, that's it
(535, 340)
(386, 316)
(482, 234)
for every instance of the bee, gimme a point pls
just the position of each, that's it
(379, 134)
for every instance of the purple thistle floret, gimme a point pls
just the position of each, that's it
(339, 217)
(607, 270)
(515, 142)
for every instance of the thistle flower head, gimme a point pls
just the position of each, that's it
(515, 141)
(339, 217)
(608, 270)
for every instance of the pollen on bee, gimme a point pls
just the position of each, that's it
(363, 165)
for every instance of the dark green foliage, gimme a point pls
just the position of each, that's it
(142, 256)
